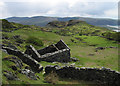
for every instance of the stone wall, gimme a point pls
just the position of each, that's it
(58, 52)
(48, 49)
(25, 58)
(61, 45)
(100, 76)
(58, 56)
(54, 47)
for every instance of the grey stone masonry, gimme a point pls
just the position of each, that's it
(58, 56)
(58, 52)
(25, 58)
(32, 52)
(104, 76)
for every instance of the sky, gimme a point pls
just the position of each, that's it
(59, 8)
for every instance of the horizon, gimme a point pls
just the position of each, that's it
(59, 8)
(58, 17)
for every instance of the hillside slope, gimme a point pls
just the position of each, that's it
(91, 51)
(43, 20)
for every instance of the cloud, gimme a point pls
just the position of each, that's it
(111, 13)
(54, 1)
(61, 8)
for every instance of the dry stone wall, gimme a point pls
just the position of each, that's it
(25, 58)
(58, 56)
(101, 76)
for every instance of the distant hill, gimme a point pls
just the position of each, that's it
(43, 20)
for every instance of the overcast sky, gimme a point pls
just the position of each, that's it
(59, 8)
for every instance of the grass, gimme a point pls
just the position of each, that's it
(98, 41)
(103, 58)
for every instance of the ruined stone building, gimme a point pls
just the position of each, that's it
(58, 52)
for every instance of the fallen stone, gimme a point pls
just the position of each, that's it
(16, 60)
(11, 46)
(91, 54)
(74, 59)
(29, 73)
(100, 48)
(10, 75)
(14, 68)
(16, 36)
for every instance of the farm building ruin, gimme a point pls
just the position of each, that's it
(58, 52)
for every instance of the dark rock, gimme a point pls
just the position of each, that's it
(16, 36)
(18, 44)
(19, 40)
(14, 68)
(100, 48)
(27, 67)
(91, 54)
(16, 60)
(5, 36)
(112, 47)
(11, 46)
(74, 59)
(10, 75)
(29, 73)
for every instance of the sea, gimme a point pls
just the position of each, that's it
(116, 28)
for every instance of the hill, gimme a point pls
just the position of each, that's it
(83, 39)
(43, 20)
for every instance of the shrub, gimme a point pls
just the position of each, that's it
(35, 41)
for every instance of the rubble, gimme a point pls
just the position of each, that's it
(10, 75)
(29, 73)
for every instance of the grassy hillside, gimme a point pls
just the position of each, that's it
(83, 46)
(43, 20)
